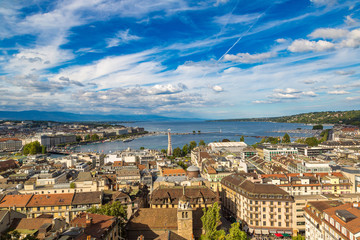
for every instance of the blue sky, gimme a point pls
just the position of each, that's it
(206, 59)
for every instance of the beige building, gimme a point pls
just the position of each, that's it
(261, 208)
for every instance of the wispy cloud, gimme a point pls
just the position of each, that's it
(121, 37)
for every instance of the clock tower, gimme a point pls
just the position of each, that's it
(185, 217)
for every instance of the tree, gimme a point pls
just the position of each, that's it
(185, 150)
(177, 152)
(115, 209)
(163, 151)
(311, 141)
(199, 132)
(72, 185)
(210, 221)
(87, 137)
(192, 145)
(298, 237)
(43, 149)
(235, 233)
(194, 132)
(142, 148)
(242, 139)
(286, 138)
(94, 137)
(78, 138)
(225, 140)
(318, 127)
(202, 143)
(32, 148)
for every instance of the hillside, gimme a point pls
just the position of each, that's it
(345, 117)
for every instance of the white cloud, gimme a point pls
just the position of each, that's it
(167, 89)
(309, 93)
(350, 21)
(281, 40)
(284, 96)
(353, 98)
(287, 90)
(236, 19)
(217, 88)
(121, 37)
(338, 92)
(323, 2)
(353, 39)
(302, 45)
(248, 58)
(343, 72)
(329, 33)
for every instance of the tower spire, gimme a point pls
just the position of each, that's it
(169, 150)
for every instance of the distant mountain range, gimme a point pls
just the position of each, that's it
(330, 117)
(73, 117)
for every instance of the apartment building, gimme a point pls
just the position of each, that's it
(310, 183)
(261, 208)
(168, 197)
(332, 220)
(10, 144)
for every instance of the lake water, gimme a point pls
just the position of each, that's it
(209, 132)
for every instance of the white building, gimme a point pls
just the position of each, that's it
(227, 146)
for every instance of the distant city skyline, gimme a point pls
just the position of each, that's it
(202, 59)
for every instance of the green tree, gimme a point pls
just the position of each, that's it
(72, 185)
(43, 149)
(311, 141)
(235, 233)
(210, 221)
(194, 132)
(87, 137)
(185, 150)
(78, 138)
(142, 148)
(318, 127)
(94, 137)
(225, 140)
(115, 209)
(242, 139)
(163, 151)
(192, 145)
(199, 132)
(32, 148)
(286, 138)
(177, 152)
(202, 143)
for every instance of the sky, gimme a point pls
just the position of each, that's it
(212, 59)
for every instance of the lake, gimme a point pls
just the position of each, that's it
(209, 132)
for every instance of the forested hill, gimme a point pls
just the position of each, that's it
(345, 117)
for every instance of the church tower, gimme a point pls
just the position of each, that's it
(185, 217)
(169, 150)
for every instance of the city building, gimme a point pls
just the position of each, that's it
(10, 144)
(261, 208)
(168, 197)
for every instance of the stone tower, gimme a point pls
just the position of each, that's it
(169, 150)
(185, 217)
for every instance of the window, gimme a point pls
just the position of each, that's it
(264, 223)
(279, 216)
(264, 215)
(279, 209)
(264, 209)
(279, 224)
(272, 224)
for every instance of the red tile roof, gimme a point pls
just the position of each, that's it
(40, 200)
(15, 200)
(99, 226)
